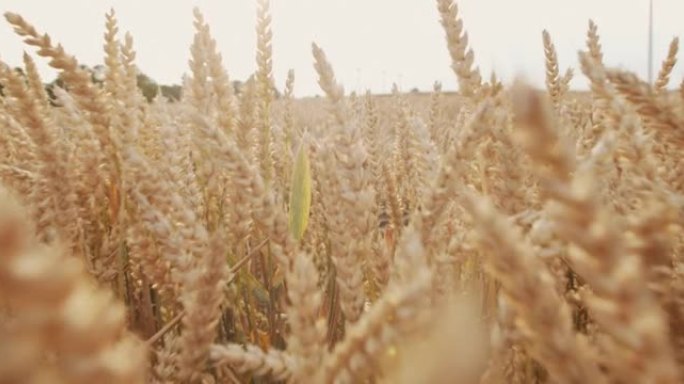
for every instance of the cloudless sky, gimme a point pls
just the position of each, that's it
(371, 43)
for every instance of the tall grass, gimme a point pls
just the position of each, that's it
(501, 235)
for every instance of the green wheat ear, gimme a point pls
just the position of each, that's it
(300, 193)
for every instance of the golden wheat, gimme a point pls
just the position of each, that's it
(498, 235)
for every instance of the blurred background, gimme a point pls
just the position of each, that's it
(371, 44)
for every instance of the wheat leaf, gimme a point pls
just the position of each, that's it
(300, 193)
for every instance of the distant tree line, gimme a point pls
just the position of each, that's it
(148, 86)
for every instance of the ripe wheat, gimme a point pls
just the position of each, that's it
(497, 235)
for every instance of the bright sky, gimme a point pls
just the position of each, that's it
(371, 43)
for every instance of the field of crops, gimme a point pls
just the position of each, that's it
(503, 234)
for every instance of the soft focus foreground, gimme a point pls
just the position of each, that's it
(501, 235)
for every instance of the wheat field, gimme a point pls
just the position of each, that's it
(504, 234)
